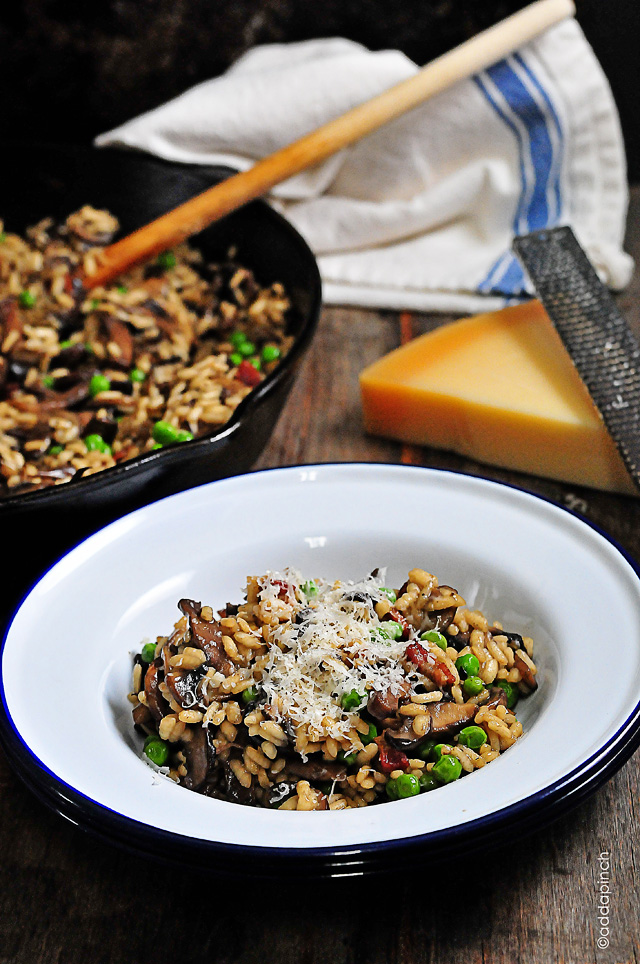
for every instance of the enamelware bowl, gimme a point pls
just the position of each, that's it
(67, 658)
(54, 181)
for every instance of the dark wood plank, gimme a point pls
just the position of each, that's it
(322, 420)
(68, 899)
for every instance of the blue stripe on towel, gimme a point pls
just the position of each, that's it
(531, 118)
(550, 113)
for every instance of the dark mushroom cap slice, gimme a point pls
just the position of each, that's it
(528, 677)
(120, 335)
(384, 703)
(447, 719)
(196, 759)
(155, 700)
(207, 637)
(316, 770)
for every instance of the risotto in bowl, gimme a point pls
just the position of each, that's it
(320, 717)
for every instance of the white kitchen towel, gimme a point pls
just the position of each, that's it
(421, 214)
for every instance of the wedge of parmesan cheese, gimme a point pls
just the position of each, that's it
(499, 388)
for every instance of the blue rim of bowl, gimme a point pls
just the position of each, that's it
(523, 816)
(176, 453)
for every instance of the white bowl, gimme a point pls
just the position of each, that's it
(535, 567)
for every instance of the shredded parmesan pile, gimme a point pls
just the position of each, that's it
(329, 647)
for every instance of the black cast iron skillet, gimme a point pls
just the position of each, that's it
(52, 181)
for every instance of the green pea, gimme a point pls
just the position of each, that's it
(437, 753)
(99, 383)
(165, 433)
(468, 665)
(122, 289)
(26, 299)
(370, 736)
(65, 344)
(184, 436)
(137, 375)
(246, 349)
(472, 736)
(157, 750)
(237, 338)
(309, 588)
(257, 364)
(270, 354)
(3, 237)
(389, 593)
(348, 758)
(166, 260)
(148, 652)
(391, 629)
(427, 781)
(472, 686)
(48, 381)
(249, 695)
(408, 785)
(391, 789)
(447, 769)
(425, 749)
(94, 304)
(512, 691)
(235, 359)
(55, 450)
(433, 636)
(351, 700)
(88, 347)
(156, 446)
(95, 443)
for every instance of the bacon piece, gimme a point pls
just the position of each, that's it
(247, 374)
(390, 758)
(437, 671)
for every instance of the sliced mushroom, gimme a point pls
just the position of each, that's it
(54, 401)
(141, 715)
(196, 759)
(207, 637)
(105, 427)
(438, 619)
(497, 697)
(70, 356)
(314, 770)
(526, 673)
(120, 335)
(155, 700)
(447, 719)
(183, 685)
(384, 703)
(10, 318)
(403, 737)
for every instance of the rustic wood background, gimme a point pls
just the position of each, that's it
(67, 899)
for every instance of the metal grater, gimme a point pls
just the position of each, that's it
(595, 334)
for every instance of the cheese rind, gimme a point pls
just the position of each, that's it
(499, 388)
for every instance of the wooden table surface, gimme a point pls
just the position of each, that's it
(68, 899)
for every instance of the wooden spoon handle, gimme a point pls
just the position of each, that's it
(191, 217)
